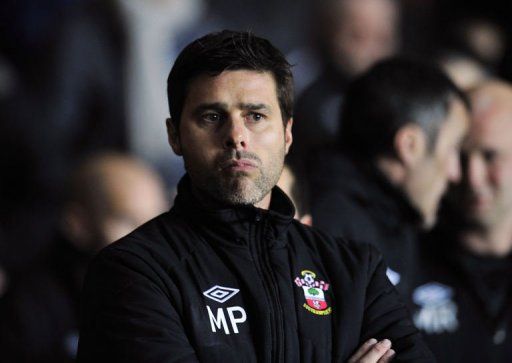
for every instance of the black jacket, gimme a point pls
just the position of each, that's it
(39, 313)
(463, 303)
(318, 114)
(238, 285)
(355, 201)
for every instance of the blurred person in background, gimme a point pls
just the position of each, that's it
(471, 49)
(294, 184)
(350, 35)
(466, 292)
(403, 122)
(105, 92)
(481, 38)
(465, 71)
(109, 195)
(93, 90)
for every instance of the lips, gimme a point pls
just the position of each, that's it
(238, 165)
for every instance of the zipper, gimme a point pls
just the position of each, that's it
(259, 251)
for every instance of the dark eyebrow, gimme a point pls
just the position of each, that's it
(255, 107)
(218, 106)
(222, 107)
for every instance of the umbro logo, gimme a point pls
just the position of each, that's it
(220, 294)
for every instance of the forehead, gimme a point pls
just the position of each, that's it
(492, 126)
(245, 86)
(382, 13)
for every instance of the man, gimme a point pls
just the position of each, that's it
(109, 195)
(227, 275)
(402, 125)
(352, 36)
(466, 291)
(293, 183)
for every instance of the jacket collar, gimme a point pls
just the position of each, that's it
(372, 188)
(395, 198)
(232, 224)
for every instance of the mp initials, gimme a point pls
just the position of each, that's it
(236, 315)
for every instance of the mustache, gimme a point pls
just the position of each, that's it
(227, 158)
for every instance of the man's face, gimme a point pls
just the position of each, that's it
(364, 34)
(487, 159)
(232, 138)
(429, 177)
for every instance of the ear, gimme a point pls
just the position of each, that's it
(173, 137)
(410, 144)
(288, 137)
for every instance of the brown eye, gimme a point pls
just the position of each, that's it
(255, 116)
(211, 117)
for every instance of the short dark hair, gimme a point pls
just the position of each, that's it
(228, 50)
(393, 93)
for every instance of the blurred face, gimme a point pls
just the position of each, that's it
(232, 137)
(125, 194)
(488, 168)
(365, 34)
(134, 197)
(428, 178)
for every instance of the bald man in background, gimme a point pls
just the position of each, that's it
(467, 291)
(109, 195)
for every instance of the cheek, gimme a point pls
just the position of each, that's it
(197, 158)
(267, 141)
(448, 164)
(501, 176)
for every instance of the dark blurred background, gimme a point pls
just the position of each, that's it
(82, 78)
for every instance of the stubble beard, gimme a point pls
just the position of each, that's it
(239, 188)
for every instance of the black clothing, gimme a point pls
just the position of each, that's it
(87, 112)
(238, 285)
(39, 313)
(355, 201)
(463, 302)
(317, 120)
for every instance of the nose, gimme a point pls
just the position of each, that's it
(236, 135)
(475, 171)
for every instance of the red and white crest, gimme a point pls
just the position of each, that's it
(314, 293)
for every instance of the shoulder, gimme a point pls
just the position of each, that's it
(352, 253)
(342, 212)
(151, 250)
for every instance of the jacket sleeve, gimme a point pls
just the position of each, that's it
(127, 316)
(386, 315)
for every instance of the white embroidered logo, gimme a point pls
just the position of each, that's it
(220, 293)
(438, 312)
(235, 314)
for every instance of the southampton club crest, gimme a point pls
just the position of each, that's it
(314, 293)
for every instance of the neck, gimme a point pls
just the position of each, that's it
(493, 240)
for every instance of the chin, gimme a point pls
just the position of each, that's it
(242, 194)
(428, 220)
(239, 199)
(428, 224)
